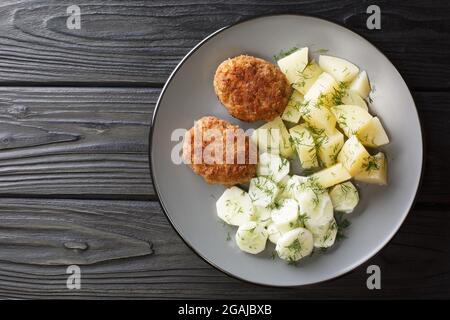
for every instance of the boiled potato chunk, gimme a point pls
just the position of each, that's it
(318, 116)
(234, 206)
(292, 112)
(344, 196)
(328, 145)
(361, 85)
(251, 237)
(322, 91)
(341, 69)
(307, 77)
(273, 137)
(262, 191)
(330, 176)
(272, 166)
(353, 156)
(303, 141)
(350, 118)
(372, 134)
(374, 170)
(295, 244)
(293, 64)
(353, 98)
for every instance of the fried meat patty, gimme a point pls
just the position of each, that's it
(251, 88)
(209, 154)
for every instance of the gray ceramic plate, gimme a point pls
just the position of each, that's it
(189, 202)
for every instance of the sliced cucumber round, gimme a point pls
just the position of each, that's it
(292, 184)
(295, 244)
(262, 215)
(251, 237)
(262, 191)
(286, 213)
(325, 235)
(277, 230)
(317, 208)
(274, 233)
(234, 206)
(272, 166)
(315, 205)
(344, 197)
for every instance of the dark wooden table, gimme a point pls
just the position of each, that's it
(75, 110)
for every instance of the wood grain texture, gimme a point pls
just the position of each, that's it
(131, 251)
(69, 141)
(140, 42)
(62, 137)
(91, 142)
(435, 119)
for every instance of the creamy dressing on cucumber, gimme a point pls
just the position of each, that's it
(251, 237)
(294, 245)
(344, 196)
(234, 206)
(262, 191)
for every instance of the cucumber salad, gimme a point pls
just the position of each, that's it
(327, 127)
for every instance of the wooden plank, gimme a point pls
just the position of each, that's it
(128, 249)
(82, 142)
(73, 141)
(140, 42)
(435, 118)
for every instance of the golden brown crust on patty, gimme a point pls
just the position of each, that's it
(218, 171)
(251, 88)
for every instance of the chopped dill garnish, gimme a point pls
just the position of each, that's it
(321, 51)
(319, 135)
(335, 153)
(342, 121)
(371, 164)
(234, 206)
(284, 162)
(320, 138)
(339, 93)
(314, 186)
(302, 218)
(302, 76)
(284, 53)
(321, 101)
(345, 189)
(295, 246)
(261, 184)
